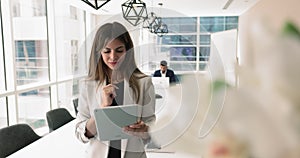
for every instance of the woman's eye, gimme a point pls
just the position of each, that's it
(106, 51)
(120, 50)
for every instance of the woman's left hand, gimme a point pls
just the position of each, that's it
(139, 129)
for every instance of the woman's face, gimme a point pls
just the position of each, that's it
(112, 53)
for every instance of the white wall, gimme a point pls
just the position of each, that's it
(224, 45)
(273, 14)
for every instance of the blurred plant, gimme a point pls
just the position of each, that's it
(264, 111)
(218, 84)
(291, 29)
(226, 145)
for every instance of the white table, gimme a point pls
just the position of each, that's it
(62, 142)
(59, 143)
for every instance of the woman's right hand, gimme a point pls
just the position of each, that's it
(108, 94)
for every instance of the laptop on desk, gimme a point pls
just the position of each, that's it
(160, 82)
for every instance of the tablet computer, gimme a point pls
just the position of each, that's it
(111, 120)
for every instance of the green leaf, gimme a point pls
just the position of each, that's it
(218, 84)
(291, 29)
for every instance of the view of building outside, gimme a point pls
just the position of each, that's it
(186, 53)
(44, 72)
(31, 61)
(187, 44)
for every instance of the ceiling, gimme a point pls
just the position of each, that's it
(180, 7)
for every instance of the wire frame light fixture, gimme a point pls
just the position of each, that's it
(96, 4)
(134, 11)
(150, 21)
(159, 27)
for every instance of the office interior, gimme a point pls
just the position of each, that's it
(238, 89)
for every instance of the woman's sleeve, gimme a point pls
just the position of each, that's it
(148, 112)
(83, 114)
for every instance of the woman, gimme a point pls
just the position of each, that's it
(114, 79)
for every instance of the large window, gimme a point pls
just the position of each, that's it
(181, 24)
(3, 112)
(32, 107)
(42, 59)
(28, 8)
(181, 42)
(179, 39)
(70, 38)
(182, 53)
(187, 44)
(31, 61)
(210, 25)
(30, 42)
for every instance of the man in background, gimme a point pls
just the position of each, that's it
(165, 72)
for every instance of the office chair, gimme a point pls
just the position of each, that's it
(57, 118)
(157, 96)
(75, 103)
(15, 137)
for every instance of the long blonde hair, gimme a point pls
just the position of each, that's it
(99, 71)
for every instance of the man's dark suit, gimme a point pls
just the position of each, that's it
(169, 73)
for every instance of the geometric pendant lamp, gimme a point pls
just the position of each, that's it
(134, 11)
(150, 21)
(96, 4)
(159, 27)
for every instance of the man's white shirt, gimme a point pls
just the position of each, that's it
(163, 74)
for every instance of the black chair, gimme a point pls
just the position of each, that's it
(15, 137)
(75, 103)
(57, 118)
(157, 96)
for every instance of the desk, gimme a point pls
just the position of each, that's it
(177, 127)
(59, 143)
(62, 143)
